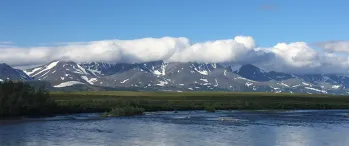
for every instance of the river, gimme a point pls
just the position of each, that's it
(185, 128)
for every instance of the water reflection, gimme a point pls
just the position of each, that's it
(185, 128)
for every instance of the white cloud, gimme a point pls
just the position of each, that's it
(297, 54)
(335, 46)
(139, 50)
(299, 57)
(232, 50)
(296, 57)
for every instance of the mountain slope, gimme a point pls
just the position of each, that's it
(254, 73)
(9, 73)
(62, 74)
(191, 76)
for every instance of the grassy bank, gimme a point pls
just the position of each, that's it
(76, 102)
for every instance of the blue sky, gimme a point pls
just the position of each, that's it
(36, 22)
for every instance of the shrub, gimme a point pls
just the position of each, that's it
(124, 111)
(20, 99)
(210, 109)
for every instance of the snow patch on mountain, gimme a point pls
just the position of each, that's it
(214, 65)
(306, 84)
(31, 72)
(335, 86)
(90, 81)
(205, 84)
(205, 80)
(66, 84)
(93, 80)
(242, 78)
(318, 90)
(162, 83)
(216, 83)
(275, 88)
(48, 67)
(248, 84)
(94, 71)
(156, 72)
(124, 81)
(283, 84)
(81, 70)
(45, 73)
(204, 72)
(163, 69)
(294, 86)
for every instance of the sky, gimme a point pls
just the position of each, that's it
(298, 34)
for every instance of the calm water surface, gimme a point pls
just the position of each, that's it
(192, 128)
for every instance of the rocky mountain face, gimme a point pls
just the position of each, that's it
(162, 76)
(62, 74)
(9, 73)
(252, 72)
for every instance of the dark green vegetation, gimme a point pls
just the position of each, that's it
(98, 101)
(124, 111)
(210, 109)
(21, 99)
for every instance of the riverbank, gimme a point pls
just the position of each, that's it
(100, 101)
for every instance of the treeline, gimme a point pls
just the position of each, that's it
(21, 99)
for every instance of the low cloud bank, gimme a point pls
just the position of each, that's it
(296, 57)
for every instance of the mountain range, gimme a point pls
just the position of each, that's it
(174, 76)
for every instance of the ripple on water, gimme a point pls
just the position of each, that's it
(309, 127)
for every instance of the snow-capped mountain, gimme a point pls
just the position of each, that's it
(61, 74)
(163, 76)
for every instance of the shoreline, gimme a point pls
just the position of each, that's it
(98, 114)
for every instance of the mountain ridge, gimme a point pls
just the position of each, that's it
(176, 76)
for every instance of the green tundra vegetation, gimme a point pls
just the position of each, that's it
(19, 99)
(102, 101)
